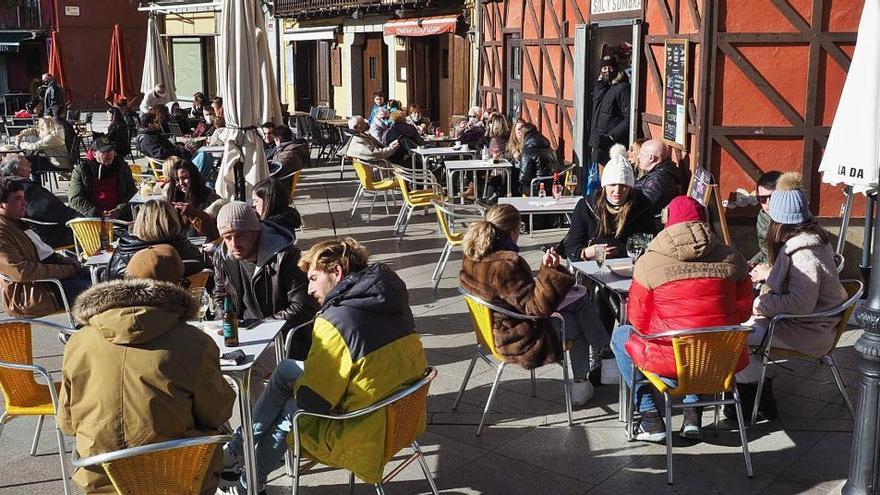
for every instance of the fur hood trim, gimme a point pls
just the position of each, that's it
(134, 293)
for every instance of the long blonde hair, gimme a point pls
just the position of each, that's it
(156, 222)
(514, 145)
(482, 237)
(46, 126)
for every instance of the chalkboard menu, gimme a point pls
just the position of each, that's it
(675, 93)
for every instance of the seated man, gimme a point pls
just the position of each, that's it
(685, 262)
(288, 156)
(269, 140)
(364, 347)
(363, 146)
(42, 204)
(125, 383)
(660, 182)
(25, 258)
(256, 267)
(102, 187)
(760, 263)
(152, 143)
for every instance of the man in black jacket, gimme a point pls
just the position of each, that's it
(152, 144)
(609, 121)
(256, 267)
(53, 97)
(660, 183)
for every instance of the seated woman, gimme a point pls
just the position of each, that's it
(46, 146)
(42, 205)
(686, 279)
(803, 279)
(610, 218)
(117, 132)
(417, 119)
(536, 160)
(156, 223)
(498, 132)
(196, 203)
(493, 271)
(272, 203)
(404, 133)
(380, 125)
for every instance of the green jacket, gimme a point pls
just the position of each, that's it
(364, 348)
(763, 223)
(79, 191)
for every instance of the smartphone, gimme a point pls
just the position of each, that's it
(250, 323)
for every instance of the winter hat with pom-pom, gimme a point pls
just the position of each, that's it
(788, 203)
(618, 171)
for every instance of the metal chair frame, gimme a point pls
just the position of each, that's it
(153, 448)
(667, 395)
(77, 243)
(53, 281)
(499, 368)
(563, 173)
(767, 348)
(53, 394)
(48, 224)
(447, 218)
(410, 182)
(430, 374)
(384, 169)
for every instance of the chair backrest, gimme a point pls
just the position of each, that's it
(294, 181)
(446, 217)
(156, 168)
(198, 280)
(175, 129)
(482, 316)
(175, 467)
(706, 358)
(407, 178)
(404, 417)
(364, 174)
(18, 385)
(87, 234)
(854, 289)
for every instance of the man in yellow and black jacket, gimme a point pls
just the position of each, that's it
(364, 348)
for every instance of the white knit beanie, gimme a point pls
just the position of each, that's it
(618, 171)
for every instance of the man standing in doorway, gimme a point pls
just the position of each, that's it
(609, 122)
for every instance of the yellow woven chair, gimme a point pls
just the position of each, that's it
(138, 173)
(705, 362)
(155, 167)
(419, 189)
(403, 413)
(368, 185)
(448, 215)
(22, 394)
(87, 234)
(844, 310)
(199, 280)
(481, 314)
(175, 467)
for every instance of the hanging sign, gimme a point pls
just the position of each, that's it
(609, 7)
(675, 93)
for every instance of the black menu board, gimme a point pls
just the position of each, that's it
(675, 93)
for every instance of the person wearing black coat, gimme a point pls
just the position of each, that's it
(117, 132)
(152, 144)
(537, 160)
(661, 182)
(584, 230)
(271, 201)
(609, 121)
(53, 97)
(403, 132)
(130, 244)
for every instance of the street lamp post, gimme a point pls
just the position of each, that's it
(863, 462)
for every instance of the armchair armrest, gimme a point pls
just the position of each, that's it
(694, 331)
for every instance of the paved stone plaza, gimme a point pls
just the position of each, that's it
(527, 447)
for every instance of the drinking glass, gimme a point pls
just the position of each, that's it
(201, 297)
(557, 191)
(600, 256)
(634, 248)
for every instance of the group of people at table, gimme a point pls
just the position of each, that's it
(137, 372)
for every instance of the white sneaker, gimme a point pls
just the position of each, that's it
(581, 392)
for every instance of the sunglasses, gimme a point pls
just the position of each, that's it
(763, 198)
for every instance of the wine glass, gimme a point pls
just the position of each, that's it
(201, 297)
(557, 191)
(634, 248)
(600, 256)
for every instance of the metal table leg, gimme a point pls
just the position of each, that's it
(247, 428)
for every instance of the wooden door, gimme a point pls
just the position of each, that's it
(374, 70)
(421, 79)
(304, 69)
(322, 83)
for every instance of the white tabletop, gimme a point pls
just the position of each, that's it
(213, 149)
(252, 342)
(98, 259)
(565, 204)
(443, 150)
(139, 199)
(476, 165)
(607, 278)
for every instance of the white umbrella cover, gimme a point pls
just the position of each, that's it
(852, 156)
(156, 64)
(249, 94)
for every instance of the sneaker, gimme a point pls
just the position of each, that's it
(693, 421)
(581, 392)
(651, 427)
(238, 489)
(232, 466)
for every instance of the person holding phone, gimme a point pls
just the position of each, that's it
(103, 186)
(493, 271)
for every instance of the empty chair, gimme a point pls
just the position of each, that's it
(366, 173)
(419, 189)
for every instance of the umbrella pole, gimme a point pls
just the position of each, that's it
(865, 265)
(238, 177)
(844, 223)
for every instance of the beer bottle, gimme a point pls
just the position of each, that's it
(230, 324)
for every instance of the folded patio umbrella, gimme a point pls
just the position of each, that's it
(156, 69)
(250, 96)
(119, 81)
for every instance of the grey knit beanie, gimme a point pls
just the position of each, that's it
(788, 203)
(237, 216)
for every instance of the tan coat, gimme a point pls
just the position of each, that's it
(20, 263)
(504, 279)
(137, 374)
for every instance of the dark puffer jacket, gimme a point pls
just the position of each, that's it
(130, 244)
(537, 160)
(659, 185)
(43, 206)
(609, 122)
(151, 143)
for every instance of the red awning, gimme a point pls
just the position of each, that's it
(422, 26)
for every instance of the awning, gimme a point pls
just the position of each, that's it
(422, 26)
(14, 38)
(310, 33)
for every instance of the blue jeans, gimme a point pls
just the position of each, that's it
(583, 328)
(272, 417)
(643, 393)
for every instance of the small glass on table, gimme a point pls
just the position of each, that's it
(201, 296)
(599, 256)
